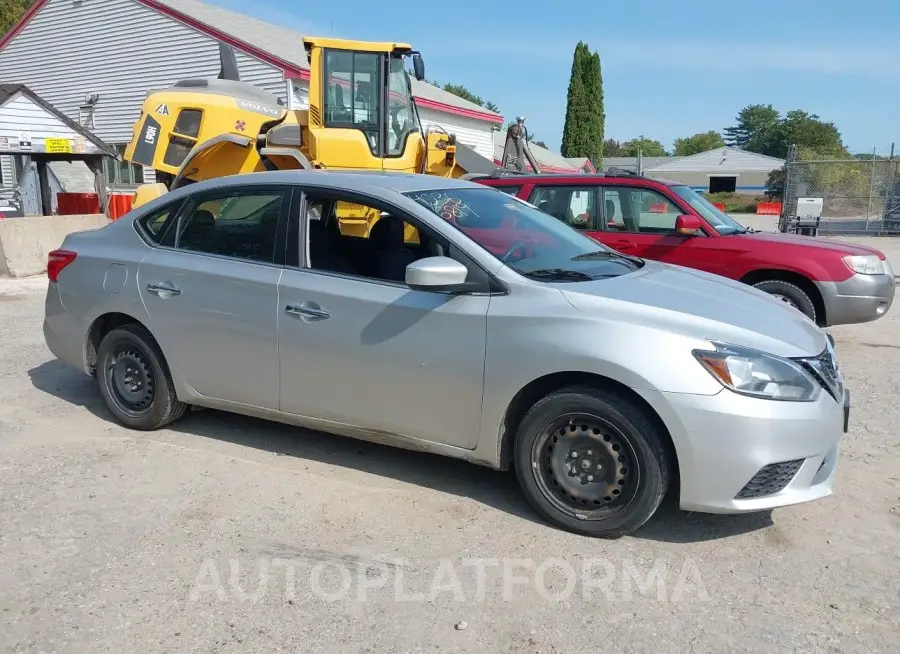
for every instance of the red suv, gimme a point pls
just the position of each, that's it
(830, 281)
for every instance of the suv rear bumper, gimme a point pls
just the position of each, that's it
(861, 298)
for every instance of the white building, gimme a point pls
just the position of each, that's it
(96, 60)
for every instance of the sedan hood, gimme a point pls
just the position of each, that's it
(699, 305)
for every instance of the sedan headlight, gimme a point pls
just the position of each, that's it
(755, 373)
(865, 264)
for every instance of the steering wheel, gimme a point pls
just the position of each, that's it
(515, 247)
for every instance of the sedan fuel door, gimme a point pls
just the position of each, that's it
(211, 291)
(361, 348)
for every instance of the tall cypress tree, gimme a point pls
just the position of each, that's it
(595, 116)
(585, 117)
(573, 128)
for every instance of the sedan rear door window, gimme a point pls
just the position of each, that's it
(242, 224)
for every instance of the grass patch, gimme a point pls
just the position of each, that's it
(736, 202)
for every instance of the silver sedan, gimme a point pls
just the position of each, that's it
(445, 316)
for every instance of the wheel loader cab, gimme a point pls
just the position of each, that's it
(361, 109)
(361, 116)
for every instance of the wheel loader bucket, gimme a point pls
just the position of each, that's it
(146, 193)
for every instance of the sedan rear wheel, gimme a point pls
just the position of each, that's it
(134, 380)
(592, 461)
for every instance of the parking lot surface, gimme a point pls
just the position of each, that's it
(226, 533)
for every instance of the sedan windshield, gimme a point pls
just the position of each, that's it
(723, 223)
(528, 240)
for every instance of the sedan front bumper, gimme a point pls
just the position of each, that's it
(861, 298)
(739, 454)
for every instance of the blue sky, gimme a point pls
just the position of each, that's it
(670, 68)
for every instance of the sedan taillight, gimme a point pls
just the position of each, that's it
(57, 260)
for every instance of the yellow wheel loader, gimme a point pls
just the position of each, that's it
(361, 116)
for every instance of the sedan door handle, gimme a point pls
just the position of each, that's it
(623, 245)
(306, 310)
(163, 290)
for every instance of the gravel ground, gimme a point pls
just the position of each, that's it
(231, 534)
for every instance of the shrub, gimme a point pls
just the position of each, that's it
(736, 202)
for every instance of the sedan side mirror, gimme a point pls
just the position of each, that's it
(688, 225)
(437, 274)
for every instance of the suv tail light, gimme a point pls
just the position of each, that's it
(57, 260)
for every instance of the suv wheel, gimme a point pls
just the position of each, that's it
(591, 461)
(790, 294)
(134, 380)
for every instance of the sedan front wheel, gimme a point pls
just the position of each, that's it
(592, 461)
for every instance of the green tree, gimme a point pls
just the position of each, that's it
(462, 92)
(11, 11)
(751, 120)
(702, 142)
(585, 117)
(647, 147)
(613, 148)
(593, 86)
(807, 131)
(574, 136)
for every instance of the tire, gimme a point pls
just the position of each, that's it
(791, 294)
(622, 444)
(134, 380)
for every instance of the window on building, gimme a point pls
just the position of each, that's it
(122, 173)
(19, 164)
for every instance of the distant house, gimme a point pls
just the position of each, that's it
(631, 163)
(582, 163)
(723, 170)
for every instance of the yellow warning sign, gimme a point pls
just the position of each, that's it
(58, 145)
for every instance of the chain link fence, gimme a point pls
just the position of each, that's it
(859, 196)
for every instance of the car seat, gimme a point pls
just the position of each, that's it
(391, 256)
(323, 252)
(200, 233)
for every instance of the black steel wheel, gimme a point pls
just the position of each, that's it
(592, 461)
(129, 379)
(134, 380)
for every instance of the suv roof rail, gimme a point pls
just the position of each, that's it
(497, 173)
(615, 171)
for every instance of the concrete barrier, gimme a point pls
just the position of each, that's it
(25, 242)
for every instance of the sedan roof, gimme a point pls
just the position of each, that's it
(361, 180)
